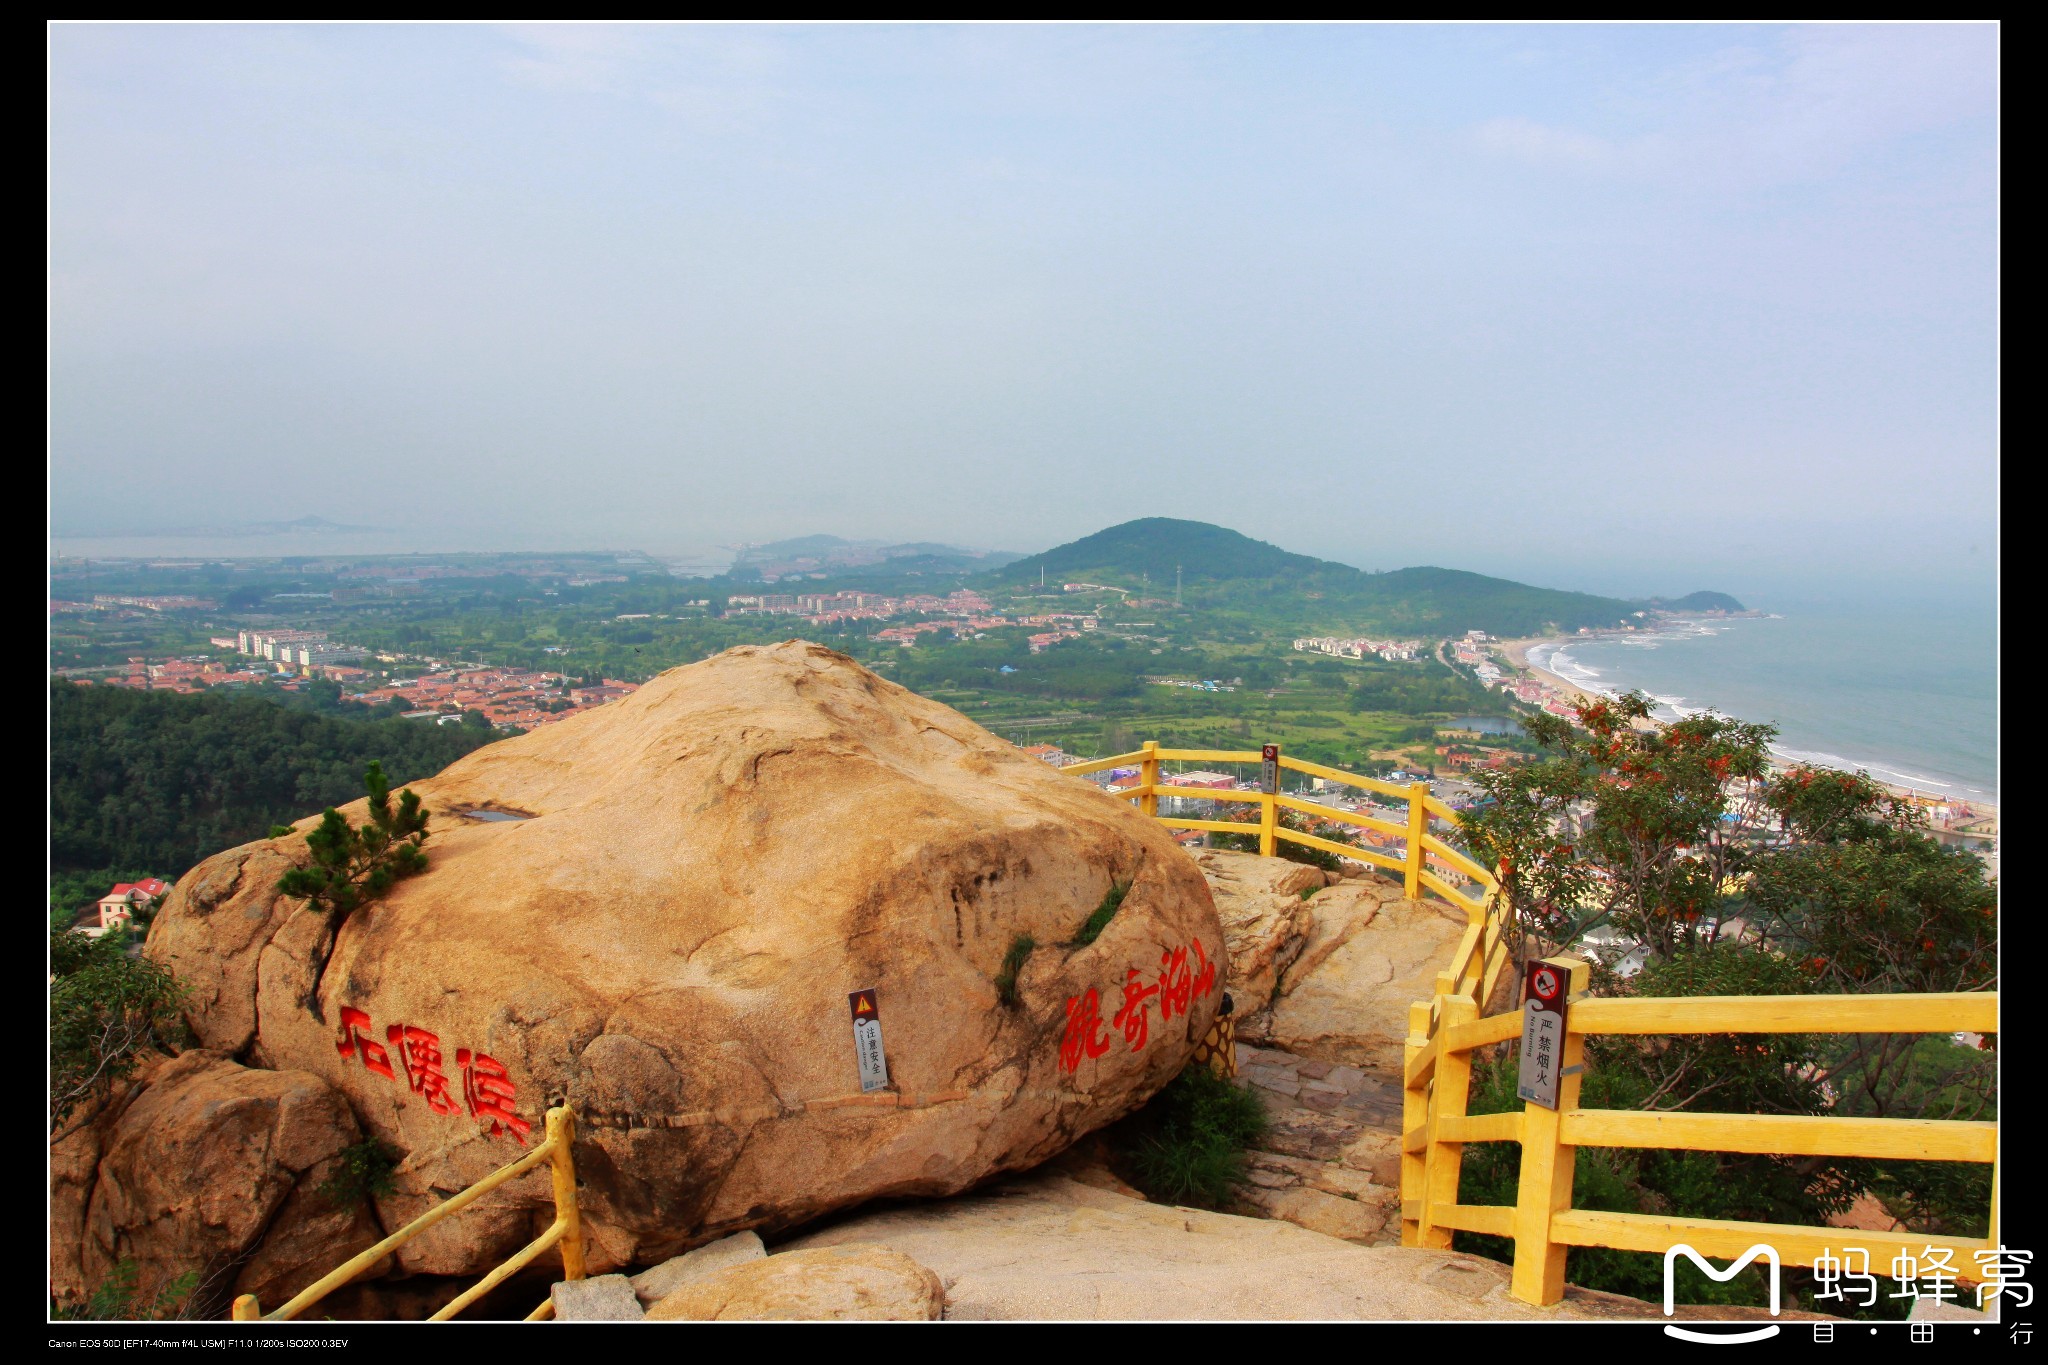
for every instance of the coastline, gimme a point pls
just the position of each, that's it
(1516, 652)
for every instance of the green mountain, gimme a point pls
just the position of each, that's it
(1224, 571)
(1151, 548)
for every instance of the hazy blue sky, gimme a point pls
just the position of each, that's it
(1625, 308)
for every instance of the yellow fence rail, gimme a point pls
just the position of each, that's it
(1425, 862)
(566, 1231)
(1444, 1033)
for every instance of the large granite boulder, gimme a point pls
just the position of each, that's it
(665, 935)
(207, 1167)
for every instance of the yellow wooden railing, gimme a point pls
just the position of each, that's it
(567, 1230)
(1480, 956)
(1445, 1032)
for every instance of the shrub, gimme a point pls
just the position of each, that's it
(365, 1172)
(1099, 920)
(1013, 962)
(107, 1010)
(1187, 1145)
(122, 1298)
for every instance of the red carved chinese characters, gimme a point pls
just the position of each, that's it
(1174, 984)
(486, 1088)
(488, 1092)
(419, 1052)
(355, 1041)
(1084, 1030)
(1178, 983)
(1205, 974)
(1131, 1018)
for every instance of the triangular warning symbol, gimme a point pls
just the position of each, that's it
(864, 1007)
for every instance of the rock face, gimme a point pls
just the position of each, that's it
(1264, 921)
(666, 938)
(205, 1166)
(843, 1282)
(1346, 999)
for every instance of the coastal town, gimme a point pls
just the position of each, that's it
(434, 688)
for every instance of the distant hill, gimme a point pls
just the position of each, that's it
(1698, 601)
(1221, 569)
(1153, 547)
(868, 564)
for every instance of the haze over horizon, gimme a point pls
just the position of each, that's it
(1629, 309)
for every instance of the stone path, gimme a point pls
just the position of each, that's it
(1331, 1159)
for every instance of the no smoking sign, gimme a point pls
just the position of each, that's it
(1543, 1013)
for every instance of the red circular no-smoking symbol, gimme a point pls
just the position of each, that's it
(1546, 984)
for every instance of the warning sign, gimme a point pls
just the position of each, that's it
(1543, 1012)
(867, 1039)
(1269, 769)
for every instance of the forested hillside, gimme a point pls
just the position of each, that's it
(157, 781)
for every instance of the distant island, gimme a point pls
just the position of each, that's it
(1697, 601)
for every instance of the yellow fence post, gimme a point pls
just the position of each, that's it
(1148, 775)
(246, 1308)
(1547, 1166)
(562, 1132)
(1414, 1114)
(1418, 830)
(1442, 1160)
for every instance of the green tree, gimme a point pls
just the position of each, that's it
(1735, 881)
(108, 1009)
(1623, 823)
(355, 864)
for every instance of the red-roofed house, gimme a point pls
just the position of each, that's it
(119, 905)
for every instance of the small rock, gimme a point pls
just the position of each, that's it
(1318, 1211)
(1463, 1277)
(652, 1286)
(1335, 1179)
(1321, 1099)
(852, 1281)
(1313, 1070)
(1270, 1178)
(601, 1298)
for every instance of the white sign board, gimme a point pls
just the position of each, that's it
(867, 1039)
(1269, 769)
(1542, 1057)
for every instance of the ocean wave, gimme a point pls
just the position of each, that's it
(1883, 772)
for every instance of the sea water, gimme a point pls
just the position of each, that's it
(1908, 693)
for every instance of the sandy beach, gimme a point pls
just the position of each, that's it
(1517, 652)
